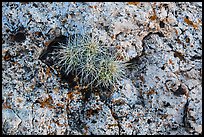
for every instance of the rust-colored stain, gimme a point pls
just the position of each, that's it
(47, 103)
(24, 2)
(118, 47)
(176, 32)
(70, 95)
(112, 125)
(157, 78)
(32, 87)
(19, 100)
(140, 114)
(56, 89)
(189, 22)
(94, 7)
(164, 116)
(142, 79)
(4, 51)
(86, 130)
(60, 125)
(151, 92)
(179, 41)
(47, 43)
(133, 3)
(91, 112)
(77, 92)
(6, 106)
(171, 62)
(64, 21)
(199, 21)
(15, 63)
(42, 80)
(37, 33)
(119, 101)
(129, 125)
(48, 72)
(187, 40)
(179, 55)
(76, 87)
(113, 37)
(60, 105)
(154, 17)
(7, 56)
(119, 56)
(10, 94)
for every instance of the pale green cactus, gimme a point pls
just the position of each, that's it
(92, 62)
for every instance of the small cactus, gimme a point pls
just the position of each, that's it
(93, 63)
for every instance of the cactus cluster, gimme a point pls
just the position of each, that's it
(95, 64)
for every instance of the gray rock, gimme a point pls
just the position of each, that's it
(162, 40)
(10, 122)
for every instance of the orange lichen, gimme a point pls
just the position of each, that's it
(153, 17)
(133, 3)
(189, 22)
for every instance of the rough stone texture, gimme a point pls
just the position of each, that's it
(163, 90)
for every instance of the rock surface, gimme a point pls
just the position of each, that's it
(162, 92)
